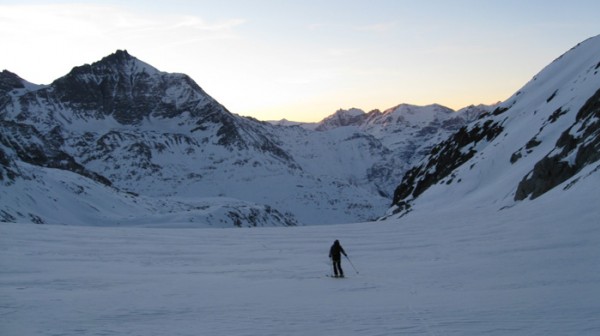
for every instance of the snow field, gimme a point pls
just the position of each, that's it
(522, 271)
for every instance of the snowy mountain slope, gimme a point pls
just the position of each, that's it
(405, 123)
(407, 132)
(59, 196)
(341, 118)
(542, 136)
(85, 133)
(411, 130)
(156, 134)
(24, 142)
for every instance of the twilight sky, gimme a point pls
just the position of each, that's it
(304, 59)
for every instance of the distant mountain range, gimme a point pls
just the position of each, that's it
(118, 142)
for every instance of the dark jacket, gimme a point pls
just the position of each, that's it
(336, 251)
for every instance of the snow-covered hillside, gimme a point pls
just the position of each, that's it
(545, 137)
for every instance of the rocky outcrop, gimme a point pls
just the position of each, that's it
(342, 118)
(576, 148)
(29, 145)
(9, 81)
(7, 169)
(124, 88)
(443, 159)
(241, 216)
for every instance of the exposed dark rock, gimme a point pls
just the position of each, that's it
(547, 173)
(32, 147)
(343, 118)
(119, 86)
(9, 81)
(443, 159)
(6, 217)
(254, 217)
(551, 96)
(7, 171)
(577, 147)
(532, 143)
(516, 156)
(557, 114)
(499, 110)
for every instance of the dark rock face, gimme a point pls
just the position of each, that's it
(576, 148)
(345, 118)
(253, 217)
(443, 160)
(125, 88)
(9, 81)
(7, 169)
(32, 147)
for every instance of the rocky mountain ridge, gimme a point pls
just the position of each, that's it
(144, 133)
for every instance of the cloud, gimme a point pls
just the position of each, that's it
(41, 42)
(70, 22)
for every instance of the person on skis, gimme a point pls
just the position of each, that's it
(335, 254)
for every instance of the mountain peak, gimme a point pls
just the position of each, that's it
(410, 109)
(122, 61)
(10, 81)
(119, 56)
(129, 90)
(119, 63)
(351, 117)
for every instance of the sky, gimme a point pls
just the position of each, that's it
(303, 60)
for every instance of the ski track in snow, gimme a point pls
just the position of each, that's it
(521, 272)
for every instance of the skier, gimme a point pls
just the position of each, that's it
(335, 254)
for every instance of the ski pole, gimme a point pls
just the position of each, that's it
(350, 261)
